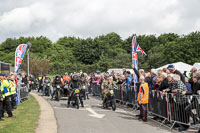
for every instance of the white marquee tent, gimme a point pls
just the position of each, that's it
(197, 65)
(179, 66)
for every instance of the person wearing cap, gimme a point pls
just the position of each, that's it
(1, 98)
(174, 71)
(7, 95)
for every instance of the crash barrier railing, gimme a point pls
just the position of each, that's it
(23, 91)
(126, 95)
(96, 89)
(168, 107)
(122, 94)
(175, 108)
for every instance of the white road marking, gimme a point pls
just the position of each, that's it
(94, 114)
(69, 108)
(118, 110)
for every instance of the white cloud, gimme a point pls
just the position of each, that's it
(85, 18)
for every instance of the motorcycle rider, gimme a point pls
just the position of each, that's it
(31, 82)
(74, 83)
(107, 83)
(46, 81)
(56, 81)
(84, 83)
(40, 80)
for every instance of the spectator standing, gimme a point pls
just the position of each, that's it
(174, 71)
(143, 99)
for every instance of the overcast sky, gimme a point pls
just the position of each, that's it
(90, 18)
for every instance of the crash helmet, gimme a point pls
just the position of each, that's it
(75, 77)
(57, 77)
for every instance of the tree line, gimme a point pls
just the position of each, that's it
(103, 52)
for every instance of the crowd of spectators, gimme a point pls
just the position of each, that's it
(165, 81)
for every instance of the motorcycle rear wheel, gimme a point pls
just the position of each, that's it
(77, 103)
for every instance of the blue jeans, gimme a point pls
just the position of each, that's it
(50, 89)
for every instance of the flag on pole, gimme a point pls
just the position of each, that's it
(135, 62)
(139, 49)
(19, 55)
(134, 53)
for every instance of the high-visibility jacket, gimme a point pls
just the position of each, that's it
(190, 75)
(13, 87)
(65, 78)
(1, 90)
(39, 78)
(143, 94)
(6, 88)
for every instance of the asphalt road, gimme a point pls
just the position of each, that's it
(93, 119)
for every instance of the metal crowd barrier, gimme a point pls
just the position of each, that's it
(175, 108)
(96, 89)
(123, 95)
(126, 96)
(169, 107)
(23, 92)
(158, 105)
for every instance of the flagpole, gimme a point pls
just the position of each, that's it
(29, 46)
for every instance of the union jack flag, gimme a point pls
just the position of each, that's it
(134, 52)
(141, 51)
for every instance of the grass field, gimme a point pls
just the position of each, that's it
(27, 115)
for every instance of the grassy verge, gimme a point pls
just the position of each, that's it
(27, 115)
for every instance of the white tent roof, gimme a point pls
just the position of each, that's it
(179, 66)
(197, 65)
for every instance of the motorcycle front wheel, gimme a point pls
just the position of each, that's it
(58, 95)
(114, 105)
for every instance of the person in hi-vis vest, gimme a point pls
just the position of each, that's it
(7, 94)
(143, 98)
(13, 91)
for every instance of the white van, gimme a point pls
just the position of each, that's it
(118, 70)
